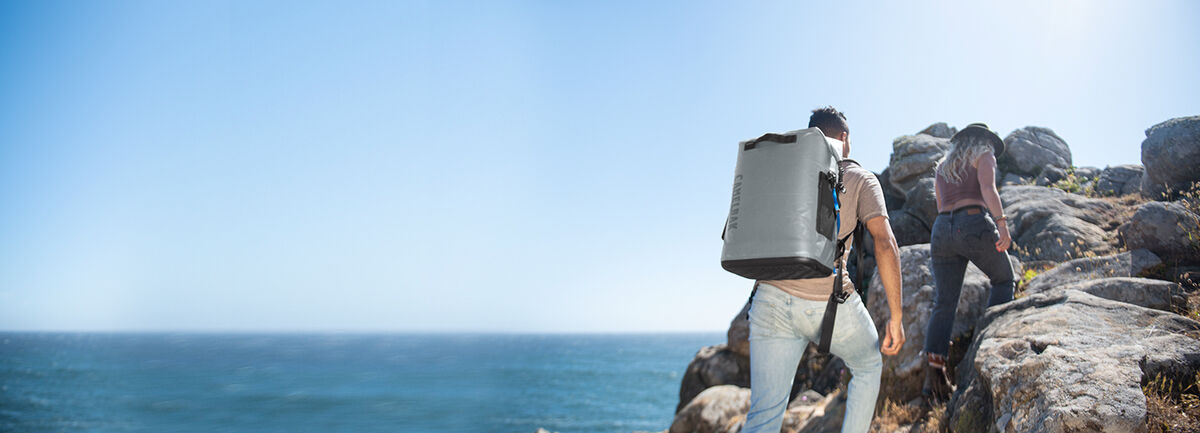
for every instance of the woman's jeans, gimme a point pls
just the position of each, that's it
(781, 326)
(967, 234)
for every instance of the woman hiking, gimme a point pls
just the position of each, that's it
(970, 227)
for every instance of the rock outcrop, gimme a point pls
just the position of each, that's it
(1143, 292)
(737, 338)
(720, 409)
(939, 130)
(1050, 175)
(1126, 264)
(914, 158)
(713, 366)
(1120, 180)
(1171, 155)
(1072, 353)
(1069, 362)
(903, 372)
(1031, 149)
(1166, 229)
(1052, 225)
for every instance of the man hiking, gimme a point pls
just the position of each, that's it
(785, 315)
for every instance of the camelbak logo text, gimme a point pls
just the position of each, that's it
(737, 199)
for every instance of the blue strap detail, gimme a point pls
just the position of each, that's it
(837, 213)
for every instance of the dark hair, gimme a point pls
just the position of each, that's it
(831, 121)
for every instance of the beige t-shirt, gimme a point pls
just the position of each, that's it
(862, 200)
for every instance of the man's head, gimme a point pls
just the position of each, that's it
(833, 125)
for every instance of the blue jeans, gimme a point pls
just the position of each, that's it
(957, 238)
(781, 326)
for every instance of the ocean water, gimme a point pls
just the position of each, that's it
(87, 382)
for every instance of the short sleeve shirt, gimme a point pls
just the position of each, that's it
(861, 201)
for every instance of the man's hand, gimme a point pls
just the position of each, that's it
(893, 338)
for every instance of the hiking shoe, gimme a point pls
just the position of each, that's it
(937, 387)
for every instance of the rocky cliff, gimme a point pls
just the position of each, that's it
(1102, 335)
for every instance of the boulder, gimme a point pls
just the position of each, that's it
(1120, 180)
(1171, 153)
(1166, 229)
(720, 409)
(1143, 292)
(1069, 362)
(737, 338)
(921, 202)
(1050, 224)
(1087, 173)
(908, 228)
(1126, 264)
(723, 409)
(913, 158)
(903, 372)
(1010, 179)
(940, 130)
(721, 365)
(1031, 149)
(893, 198)
(1050, 175)
(912, 222)
(713, 366)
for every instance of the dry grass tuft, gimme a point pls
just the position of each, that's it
(910, 418)
(1172, 407)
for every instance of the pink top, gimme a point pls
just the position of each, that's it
(956, 192)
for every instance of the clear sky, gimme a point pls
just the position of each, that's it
(489, 166)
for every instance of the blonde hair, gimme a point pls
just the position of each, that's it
(963, 151)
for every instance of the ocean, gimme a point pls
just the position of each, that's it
(411, 383)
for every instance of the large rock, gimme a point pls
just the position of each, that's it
(892, 197)
(913, 158)
(939, 130)
(1069, 362)
(721, 365)
(1050, 175)
(1087, 173)
(737, 338)
(723, 409)
(908, 228)
(903, 371)
(1050, 224)
(912, 223)
(1167, 229)
(1126, 264)
(1013, 179)
(921, 201)
(1171, 153)
(1120, 180)
(1033, 148)
(713, 366)
(1143, 292)
(719, 409)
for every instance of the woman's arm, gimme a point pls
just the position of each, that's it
(986, 165)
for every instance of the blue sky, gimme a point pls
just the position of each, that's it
(489, 166)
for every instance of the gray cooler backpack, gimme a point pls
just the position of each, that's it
(783, 217)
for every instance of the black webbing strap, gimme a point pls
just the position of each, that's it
(858, 268)
(751, 300)
(837, 297)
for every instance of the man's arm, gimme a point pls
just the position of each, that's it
(887, 257)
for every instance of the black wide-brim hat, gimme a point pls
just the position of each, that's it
(981, 130)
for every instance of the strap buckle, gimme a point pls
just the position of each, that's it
(841, 296)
